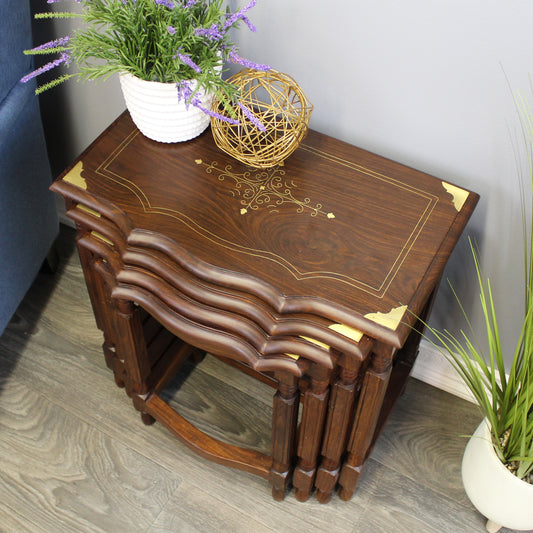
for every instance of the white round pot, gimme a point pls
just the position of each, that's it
(496, 493)
(156, 111)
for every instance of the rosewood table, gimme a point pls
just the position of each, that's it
(311, 276)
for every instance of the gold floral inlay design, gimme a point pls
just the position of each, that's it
(270, 188)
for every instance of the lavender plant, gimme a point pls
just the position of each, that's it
(155, 40)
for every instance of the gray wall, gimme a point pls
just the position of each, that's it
(425, 82)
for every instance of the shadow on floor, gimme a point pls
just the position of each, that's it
(24, 322)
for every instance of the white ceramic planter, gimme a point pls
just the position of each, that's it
(496, 493)
(155, 110)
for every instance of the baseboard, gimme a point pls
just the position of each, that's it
(433, 368)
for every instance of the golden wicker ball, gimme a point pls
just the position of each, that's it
(278, 103)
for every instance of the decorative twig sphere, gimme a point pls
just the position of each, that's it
(272, 113)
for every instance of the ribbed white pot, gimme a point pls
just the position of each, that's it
(155, 110)
(496, 493)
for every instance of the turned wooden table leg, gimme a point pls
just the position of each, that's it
(147, 419)
(340, 414)
(284, 422)
(131, 346)
(100, 301)
(128, 355)
(315, 404)
(366, 417)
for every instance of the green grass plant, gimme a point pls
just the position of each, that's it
(505, 399)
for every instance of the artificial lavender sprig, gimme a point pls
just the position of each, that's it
(186, 95)
(57, 45)
(251, 117)
(248, 22)
(213, 33)
(232, 19)
(188, 61)
(234, 58)
(64, 58)
(214, 114)
(166, 3)
(217, 33)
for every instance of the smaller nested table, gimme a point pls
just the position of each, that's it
(308, 276)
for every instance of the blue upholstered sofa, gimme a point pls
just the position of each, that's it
(28, 218)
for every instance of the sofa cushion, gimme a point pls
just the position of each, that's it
(28, 217)
(15, 31)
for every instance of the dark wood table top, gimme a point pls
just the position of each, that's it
(336, 232)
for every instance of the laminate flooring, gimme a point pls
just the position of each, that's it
(75, 456)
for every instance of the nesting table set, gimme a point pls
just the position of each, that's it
(313, 277)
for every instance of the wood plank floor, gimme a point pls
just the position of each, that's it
(75, 457)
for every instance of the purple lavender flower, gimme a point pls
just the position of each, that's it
(171, 30)
(188, 61)
(234, 58)
(251, 117)
(214, 114)
(65, 58)
(190, 3)
(166, 3)
(56, 43)
(213, 33)
(185, 94)
(248, 22)
(232, 19)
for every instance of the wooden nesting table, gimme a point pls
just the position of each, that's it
(308, 276)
